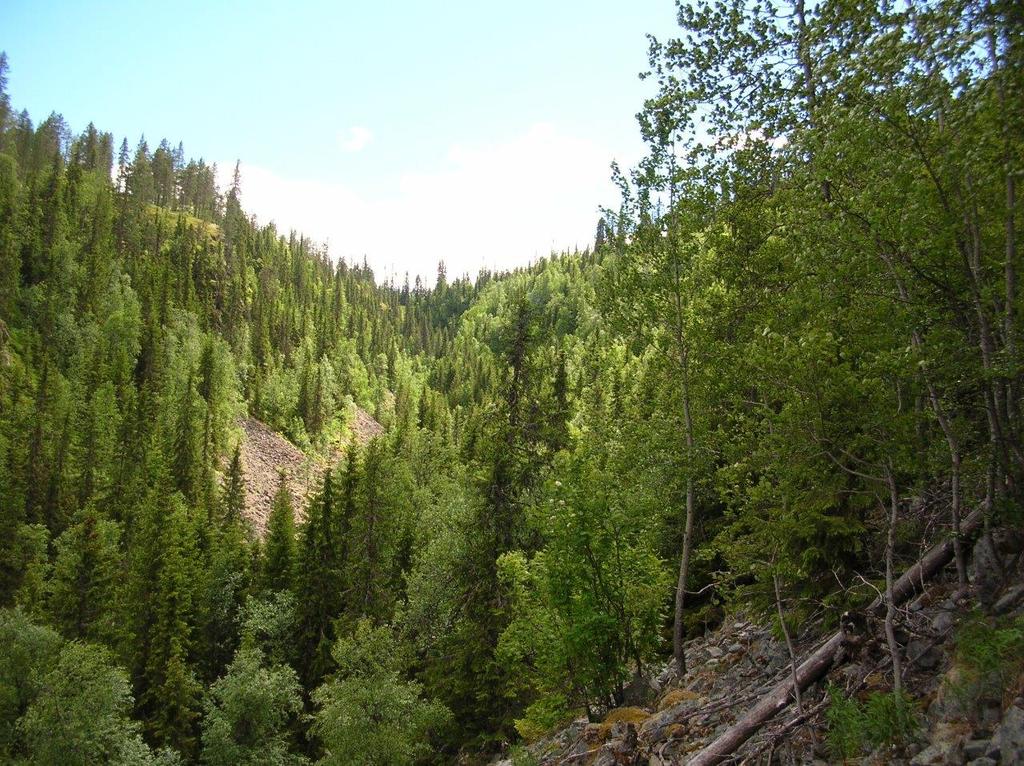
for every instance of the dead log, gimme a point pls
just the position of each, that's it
(815, 666)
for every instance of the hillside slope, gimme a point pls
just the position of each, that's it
(265, 453)
(963, 677)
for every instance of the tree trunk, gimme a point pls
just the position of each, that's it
(815, 666)
(684, 559)
(789, 645)
(890, 606)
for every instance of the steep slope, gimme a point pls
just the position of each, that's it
(265, 453)
(963, 674)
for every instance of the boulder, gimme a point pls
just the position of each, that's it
(975, 748)
(946, 748)
(923, 654)
(655, 728)
(621, 750)
(943, 623)
(993, 555)
(1009, 599)
(1008, 740)
(639, 692)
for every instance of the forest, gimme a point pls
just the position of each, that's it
(787, 365)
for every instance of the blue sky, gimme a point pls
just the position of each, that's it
(479, 133)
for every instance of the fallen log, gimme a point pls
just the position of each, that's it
(815, 666)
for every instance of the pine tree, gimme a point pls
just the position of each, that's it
(230, 571)
(162, 605)
(280, 547)
(233, 501)
(318, 583)
(185, 449)
(83, 587)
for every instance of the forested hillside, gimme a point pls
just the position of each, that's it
(789, 363)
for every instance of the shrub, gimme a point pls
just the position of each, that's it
(884, 718)
(989, 656)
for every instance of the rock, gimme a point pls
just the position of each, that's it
(990, 713)
(654, 729)
(735, 648)
(622, 747)
(852, 673)
(987, 566)
(943, 623)
(975, 748)
(1009, 599)
(674, 697)
(983, 761)
(714, 652)
(667, 675)
(946, 748)
(639, 692)
(1008, 739)
(994, 553)
(923, 654)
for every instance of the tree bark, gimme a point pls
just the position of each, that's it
(789, 645)
(815, 666)
(890, 606)
(684, 560)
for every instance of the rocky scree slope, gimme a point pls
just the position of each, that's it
(265, 453)
(958, 716)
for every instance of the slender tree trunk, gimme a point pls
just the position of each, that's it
(890, 604)
(1010, 235)
(827, 653)
(993, 391)
(947, 429)
(789, 645)
(684, 560)
(954, 481)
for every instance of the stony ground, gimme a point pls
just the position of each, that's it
(669, 719)
(265, 453)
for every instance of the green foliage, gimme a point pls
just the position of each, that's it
(269, 624)
(64, 703)
(990, 652)
(319, 588)
(279, 552)
(589, 604)
(27, 652)
(81, 713)
(367, 713)
(83, 587)
(544, 716)
(884, 718)
(248, 713)
(807, 297)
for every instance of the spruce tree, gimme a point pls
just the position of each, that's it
(280, 547)
(318, 587)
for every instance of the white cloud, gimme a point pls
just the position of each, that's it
(355, 139)
(493, 205)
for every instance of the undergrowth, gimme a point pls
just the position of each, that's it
(990, 653)
(884, 718)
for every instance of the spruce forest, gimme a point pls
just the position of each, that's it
(259, 506)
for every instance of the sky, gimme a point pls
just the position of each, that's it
(474, 132)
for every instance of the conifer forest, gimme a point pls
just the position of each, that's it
(741, 481)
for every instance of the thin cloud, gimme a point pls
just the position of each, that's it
(495, 205)
(355, 139)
